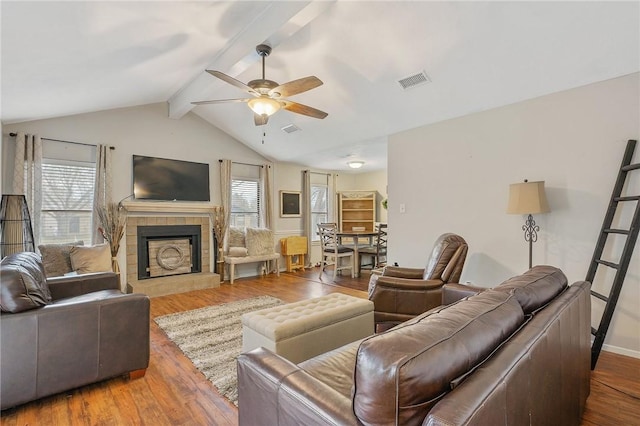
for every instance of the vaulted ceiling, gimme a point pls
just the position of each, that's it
(63, 58)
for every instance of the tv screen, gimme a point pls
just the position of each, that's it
(170, 180)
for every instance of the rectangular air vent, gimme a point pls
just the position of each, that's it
(290, 128)
(414, 80)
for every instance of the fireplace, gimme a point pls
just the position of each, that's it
(181, 233)
(168, 250)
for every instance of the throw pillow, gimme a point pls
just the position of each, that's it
(236, 237)
(238, 251)
(23, 285)
(56, 258)
(259, 241)
(89, 259)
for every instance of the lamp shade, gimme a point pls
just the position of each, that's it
(527, 198)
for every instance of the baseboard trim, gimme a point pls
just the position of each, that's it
(621, 351)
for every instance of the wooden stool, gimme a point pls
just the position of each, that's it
(293, 249)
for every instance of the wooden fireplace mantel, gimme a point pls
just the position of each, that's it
(169, 207)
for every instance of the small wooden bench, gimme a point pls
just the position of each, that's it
(232, 261)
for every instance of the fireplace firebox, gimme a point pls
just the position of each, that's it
(168, 250)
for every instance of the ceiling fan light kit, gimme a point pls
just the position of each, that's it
(269, 95)
(264, 105)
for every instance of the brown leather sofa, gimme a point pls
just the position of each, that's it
(401, 293)
(517, 354)
(64, 332)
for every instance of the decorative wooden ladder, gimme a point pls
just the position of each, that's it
(616, 201)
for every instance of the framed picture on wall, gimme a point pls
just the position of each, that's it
(289, 204)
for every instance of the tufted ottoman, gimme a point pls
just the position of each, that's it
(301, 330)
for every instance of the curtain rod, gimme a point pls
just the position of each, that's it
(244, 164)
(60, 140)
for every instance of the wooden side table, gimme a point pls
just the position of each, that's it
(293, 249)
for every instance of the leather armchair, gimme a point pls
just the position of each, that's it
(400, 294)
(78, 330)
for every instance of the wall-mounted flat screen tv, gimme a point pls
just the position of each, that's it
(170, 180)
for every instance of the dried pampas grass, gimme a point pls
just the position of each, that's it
(113, 220)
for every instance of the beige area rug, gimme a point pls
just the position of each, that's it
(211, 338)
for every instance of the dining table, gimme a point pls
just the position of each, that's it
(356, 238)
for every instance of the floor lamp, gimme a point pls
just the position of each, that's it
(528, 198)
(16, 232)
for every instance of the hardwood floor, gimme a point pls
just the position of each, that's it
(173, 392)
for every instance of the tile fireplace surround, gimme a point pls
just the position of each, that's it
(141, 213)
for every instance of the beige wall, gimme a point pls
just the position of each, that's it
(453, 176)
(377, 181)
(144, 130)
(289, 177)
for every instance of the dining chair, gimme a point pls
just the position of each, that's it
(333, 252)
(378, 250)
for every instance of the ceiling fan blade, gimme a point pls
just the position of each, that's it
(221, 101)
(303, 109)
(240, 85)
(296, 86)
(260, 119)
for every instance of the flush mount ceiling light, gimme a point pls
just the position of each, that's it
(355, 164)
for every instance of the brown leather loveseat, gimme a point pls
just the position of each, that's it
(513, 355)
(65, 332)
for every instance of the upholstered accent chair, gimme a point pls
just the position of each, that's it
(400, 293)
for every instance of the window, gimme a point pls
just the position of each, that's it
(67, 201)
(245, 202)
(319, 208)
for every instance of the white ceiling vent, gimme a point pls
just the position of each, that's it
(414, 80)
(290, 128)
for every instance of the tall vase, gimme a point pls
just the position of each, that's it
(115, 266)
(220, 263)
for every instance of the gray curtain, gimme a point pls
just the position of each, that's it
(225, 194)
(306, 212)
(267, 202)
(27, 176)
(102, 188)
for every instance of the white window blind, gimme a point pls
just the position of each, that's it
(319, 208)
(245, 202)
(67, 201)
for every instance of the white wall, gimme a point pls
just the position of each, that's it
(453, 176)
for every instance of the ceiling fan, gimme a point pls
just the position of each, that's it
(269, 96)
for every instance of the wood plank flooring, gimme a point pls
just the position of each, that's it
(173, 392)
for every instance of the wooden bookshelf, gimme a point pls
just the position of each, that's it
(357, 210)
